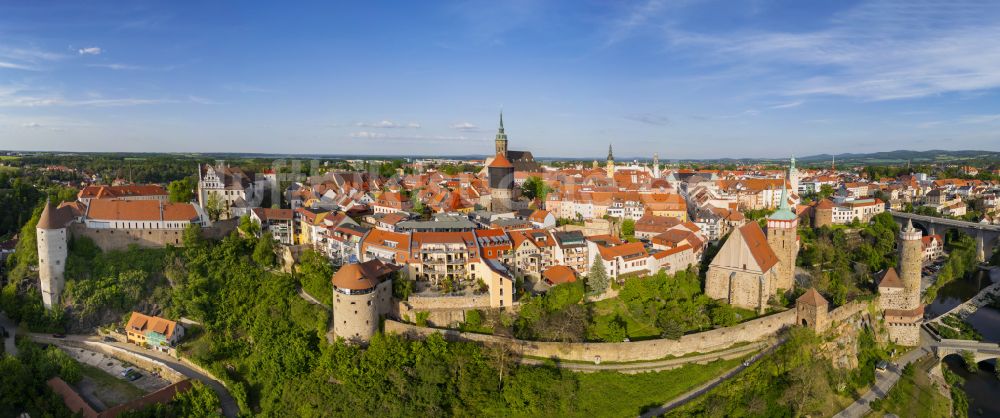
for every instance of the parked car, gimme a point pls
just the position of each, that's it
(58, 335)
(110, 340)
(133, 376)
(882, 366)
(126, 372)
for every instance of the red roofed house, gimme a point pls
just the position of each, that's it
(152, 331)
(623, 259)
(132, 192)
(279, 222)
(933, 247)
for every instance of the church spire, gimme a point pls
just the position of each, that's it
(501, 121)
(611, 155)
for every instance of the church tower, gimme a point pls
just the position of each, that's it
(52, 252)
(501, 139)
(782, 237)
(610, 165)
(793, 176)
(656, 165)
(910, 259)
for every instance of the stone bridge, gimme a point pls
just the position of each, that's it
(982, 351)
(986, 236)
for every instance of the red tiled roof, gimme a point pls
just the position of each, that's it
(559, 274)
(812, 298)
(756, 241)
(362, 276)
(890, 279)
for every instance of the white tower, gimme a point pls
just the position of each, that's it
(793, 176)
(52, 242)
(656, 165)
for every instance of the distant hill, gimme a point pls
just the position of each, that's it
(914, 157)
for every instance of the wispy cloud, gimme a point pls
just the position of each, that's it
(635, 17)
(980, 119)
(20, 96)
(788, 105)
(388, 124)
(881, 50)
(465, 127)
(649, 119)
(91, 50)
(117, 66)
(381, 136)
(31, 59)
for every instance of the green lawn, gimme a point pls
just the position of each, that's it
(915, 396)
(611, 394)
(637, 328)
(109, 389)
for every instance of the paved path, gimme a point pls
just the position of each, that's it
(707, 386)
(884, 381)
(229, 406)
(655, 365)
(312, 300)
(8, 343)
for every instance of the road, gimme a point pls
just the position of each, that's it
(8, 343)
(884, 381)
(707, 386)
(229, 406)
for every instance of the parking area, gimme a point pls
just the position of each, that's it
(147, 382)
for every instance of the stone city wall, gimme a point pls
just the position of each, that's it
(120, 239)
(848, 310)
(144, 363)
(702, 342)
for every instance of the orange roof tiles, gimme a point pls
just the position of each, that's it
(756, 241)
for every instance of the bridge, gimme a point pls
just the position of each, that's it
(981, 351)
(986, 236)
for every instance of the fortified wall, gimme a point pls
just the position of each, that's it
(702, 342)
(442, 311)
(120, 239)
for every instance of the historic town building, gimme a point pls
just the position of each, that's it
(362, 294)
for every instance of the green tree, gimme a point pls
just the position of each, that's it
(628, 228)
(214, 207)
(263, 251)
(181, 191)
(535, 188)
(597, 278)
(617, 330)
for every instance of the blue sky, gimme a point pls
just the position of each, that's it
(686, 79)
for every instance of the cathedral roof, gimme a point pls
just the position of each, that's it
(756, 242)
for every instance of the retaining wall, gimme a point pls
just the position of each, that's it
(702, 342)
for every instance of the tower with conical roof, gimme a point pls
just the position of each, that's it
(910, 263)
(899, 295)
(793, 176)
(52, 251)
(501, 139)
(610, 165)
(501, 178)
(782, 237)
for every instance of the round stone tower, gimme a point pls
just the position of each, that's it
(362, 293)
(782, 237)
(910, 262)
(52, 242)
(501, 176)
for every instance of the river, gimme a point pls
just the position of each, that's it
(983, 387)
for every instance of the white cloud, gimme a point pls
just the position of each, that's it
(882, 50)
(416, 138)
(33, 125)
(116, 66)
(388, 124)
(789, 105)
(14, 66)
(21, 96)
(980, 119)
(92, 50)
(465, 126)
